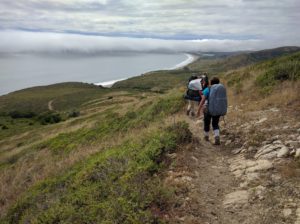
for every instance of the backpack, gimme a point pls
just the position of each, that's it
(194, 89)
(192, 78)
(195, 84)
(217, 100)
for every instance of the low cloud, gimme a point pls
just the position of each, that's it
(41, 42)
(228, 25)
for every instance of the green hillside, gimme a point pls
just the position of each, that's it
(221, 64)
(78, 153)
(161, 81)
(266, 75)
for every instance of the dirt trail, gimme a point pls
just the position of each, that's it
(217, 187)
(50, 106)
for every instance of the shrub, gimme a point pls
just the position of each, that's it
(114, 186)
(74, 114)
(49, 118)
(4, 127)
(276, 72)
(21, 114)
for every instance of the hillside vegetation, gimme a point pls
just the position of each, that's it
(223, 64)
(78, 153)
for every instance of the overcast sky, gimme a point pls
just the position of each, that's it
(156, 25)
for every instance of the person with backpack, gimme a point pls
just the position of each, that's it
(214, 102)
(193, 94)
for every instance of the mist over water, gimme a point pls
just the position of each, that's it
(19, 71)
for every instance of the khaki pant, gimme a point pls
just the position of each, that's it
(192, 107)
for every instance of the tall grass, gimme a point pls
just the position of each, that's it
(290, 70)
(115, 186)
(56, 154)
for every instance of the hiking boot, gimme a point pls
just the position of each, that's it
(217, 140)
(206, 138)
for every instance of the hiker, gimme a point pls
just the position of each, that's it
(214, 104)
(204, 82)
(193, 94)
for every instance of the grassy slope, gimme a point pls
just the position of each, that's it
(240, 60)
(159, 81)
(110, 148)
(265, 77)
(65, 95)
(115, 186)
(61, 152)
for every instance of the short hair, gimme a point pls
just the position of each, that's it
(214, 80)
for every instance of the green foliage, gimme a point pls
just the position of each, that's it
(113, 123)
(223, 62)
(49, 118)
(65, 96)
(236, 78)
(74, 113)
(267, 74)
(21, 114)
(115, 186)
(159, 81)
(283, 69)
(3, 126)
(11, 126)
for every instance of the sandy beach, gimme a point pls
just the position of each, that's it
(190, 59)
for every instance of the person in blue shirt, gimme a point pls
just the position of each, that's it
(214, 120)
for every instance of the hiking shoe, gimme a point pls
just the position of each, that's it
(206, 138)
(217, 140)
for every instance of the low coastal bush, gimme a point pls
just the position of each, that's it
(21, 114)
(113, 123)
(115, 186)
(158, 81)
(74, 113)
(49, 118)
(283, 69)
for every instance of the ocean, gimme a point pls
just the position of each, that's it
(21, 71)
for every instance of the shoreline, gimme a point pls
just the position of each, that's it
(108, 84)
(190, 59)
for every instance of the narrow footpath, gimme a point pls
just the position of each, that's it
(218, 185)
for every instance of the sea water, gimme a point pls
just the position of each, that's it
(27, 70)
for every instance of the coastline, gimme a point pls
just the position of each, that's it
(190, 59)
(109, 83)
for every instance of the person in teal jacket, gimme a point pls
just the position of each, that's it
(209, 119)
